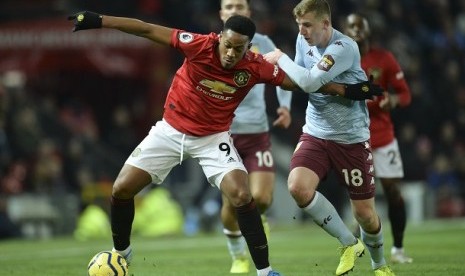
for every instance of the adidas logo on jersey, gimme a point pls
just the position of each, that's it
(231, 160)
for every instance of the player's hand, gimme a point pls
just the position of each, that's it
(366, 90)
(388, 102)
(273, 56)
(385, 102)
(85, 20)
(284, 118)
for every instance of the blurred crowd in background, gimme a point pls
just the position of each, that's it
(67, 132)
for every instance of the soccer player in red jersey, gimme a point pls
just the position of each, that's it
(217, 73)
(385, 69)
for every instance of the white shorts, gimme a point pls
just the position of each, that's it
(388, 162)
(165, 147)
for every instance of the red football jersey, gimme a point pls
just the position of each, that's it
(387, 73)
(203, 95)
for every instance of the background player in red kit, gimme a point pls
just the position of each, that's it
(386, 71)
(217, 73)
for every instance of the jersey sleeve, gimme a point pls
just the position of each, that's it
(284, 96)
(397, 82)
(270, 73)
(337, 58)
(190, 44)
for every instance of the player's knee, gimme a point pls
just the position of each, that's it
(122, 190)
(263, 201)
(367, 218)
(298, 190)
(392, 192)
(238, 197)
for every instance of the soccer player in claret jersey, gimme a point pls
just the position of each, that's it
(335, 136)
(251, 137)
(385, 69)
(217, 73)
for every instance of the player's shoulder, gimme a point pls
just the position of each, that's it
(261, 37)
(213, 37)
(381, 53)
(341, 40)
(253, 57)
(187, 37)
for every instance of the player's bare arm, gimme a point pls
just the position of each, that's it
(85, 20)
(156, 33)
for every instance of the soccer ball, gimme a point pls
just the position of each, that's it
(107, 263)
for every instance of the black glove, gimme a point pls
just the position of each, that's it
(86, 20)
(363, 91)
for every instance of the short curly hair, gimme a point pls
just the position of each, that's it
(240, 24)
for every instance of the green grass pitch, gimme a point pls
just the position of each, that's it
(438, 248)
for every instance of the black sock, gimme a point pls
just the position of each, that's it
(251, 227)
(398, 217)
(122, 216)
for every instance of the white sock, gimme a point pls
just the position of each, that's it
(374, 244)
(320, 209)
(264, 271)
(123, 252)
(237, 246)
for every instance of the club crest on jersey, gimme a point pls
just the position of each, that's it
(326, 63)
(241, 78)
(186, 37)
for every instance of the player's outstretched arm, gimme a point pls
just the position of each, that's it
(85, 20)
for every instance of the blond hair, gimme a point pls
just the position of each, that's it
(320, 7)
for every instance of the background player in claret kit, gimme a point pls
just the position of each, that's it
(335, 135)
(217, 73)
(251, 137)
(385, 69)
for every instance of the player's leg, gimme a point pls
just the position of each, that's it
(389, 169)
(261, 184)
(256, 154)
(309, 164)
(255, 151)
(237, 246)
(398, 217)
(262, 187)
(128, 183)
(354, 163)
(371, 233)
(150, 162)
(234, 187)
(223, 168)
(326, 216)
